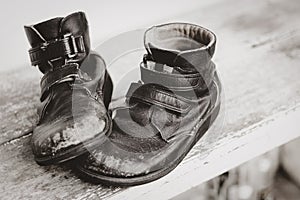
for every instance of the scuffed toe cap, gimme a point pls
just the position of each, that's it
(60, 136)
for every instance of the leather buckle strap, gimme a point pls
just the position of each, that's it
(67, 47)
(152, 94)
(175, 81)
(183, 79)
(58, 76)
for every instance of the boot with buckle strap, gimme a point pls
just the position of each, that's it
(168, 110)
(75, 90)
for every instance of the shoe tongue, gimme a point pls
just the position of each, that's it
(76, 24)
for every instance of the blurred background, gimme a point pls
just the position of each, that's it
(274, 175)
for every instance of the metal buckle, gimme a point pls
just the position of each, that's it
(70, 45)
(67, 47)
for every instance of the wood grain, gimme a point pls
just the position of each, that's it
(258, 54)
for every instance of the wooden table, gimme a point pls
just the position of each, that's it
(258, 54)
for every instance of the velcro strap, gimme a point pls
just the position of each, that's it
(178, 82)
(69, 46)
(59, 75)
(154, 94)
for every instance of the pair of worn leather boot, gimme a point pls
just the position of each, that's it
(166, 112)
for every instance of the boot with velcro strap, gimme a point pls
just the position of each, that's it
(173, 105)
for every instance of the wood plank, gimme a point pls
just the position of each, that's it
(22, 178)
(18, 102)
(258, 59)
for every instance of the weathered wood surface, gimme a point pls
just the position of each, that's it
(258, 54)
